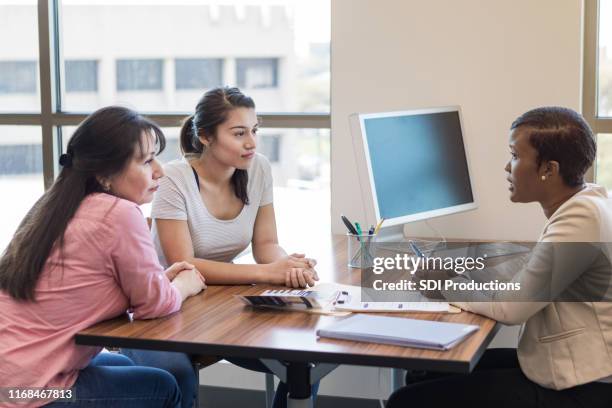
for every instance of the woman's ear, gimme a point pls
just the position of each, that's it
(552, 168)
(104, 182)
(204, 140)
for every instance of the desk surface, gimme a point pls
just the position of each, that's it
(215, 323)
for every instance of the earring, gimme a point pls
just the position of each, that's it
(106, 186)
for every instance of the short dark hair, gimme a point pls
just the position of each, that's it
(562, 135)
(212, 110)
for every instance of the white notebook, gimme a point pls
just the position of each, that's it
(399, 331)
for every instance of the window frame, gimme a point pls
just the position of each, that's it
(590, 90)
(52, 117)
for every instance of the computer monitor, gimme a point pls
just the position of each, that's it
(411, 166)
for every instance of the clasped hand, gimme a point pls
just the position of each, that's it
(186, 277)
(294, 271)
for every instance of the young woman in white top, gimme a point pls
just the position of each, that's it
(216, 201)
(564, 352)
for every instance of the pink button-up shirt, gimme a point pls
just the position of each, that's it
(110, 265)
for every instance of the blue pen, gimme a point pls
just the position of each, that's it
(416, 249)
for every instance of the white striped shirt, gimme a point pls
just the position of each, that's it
(178, 198)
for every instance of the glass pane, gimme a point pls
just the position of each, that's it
(20, 175)
(254, 73)
(603, 169)
(139, 74)
(605, 59)
(300, 160)
(301, 183)
(81, 76)
(193, 73)
(19, 78)
(162, 55)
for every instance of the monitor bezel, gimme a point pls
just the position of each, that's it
(425, 215)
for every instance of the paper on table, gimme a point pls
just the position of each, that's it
(352, 301)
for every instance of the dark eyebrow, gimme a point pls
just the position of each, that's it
(244, 127)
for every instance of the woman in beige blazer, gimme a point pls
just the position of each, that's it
(564, 356)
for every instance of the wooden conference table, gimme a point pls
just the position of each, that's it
(216, 323)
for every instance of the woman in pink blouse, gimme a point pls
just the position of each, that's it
(84, 254)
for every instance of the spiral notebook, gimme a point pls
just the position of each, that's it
(399, 331)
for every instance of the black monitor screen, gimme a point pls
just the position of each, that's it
(418, 163)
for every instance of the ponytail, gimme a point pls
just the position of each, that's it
(190, 143)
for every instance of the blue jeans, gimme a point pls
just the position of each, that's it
(179, 365)
(112, 380)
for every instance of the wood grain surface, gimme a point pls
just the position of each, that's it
(215, 323)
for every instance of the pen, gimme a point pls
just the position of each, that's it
(348, 225)
(378, 226)
(416, 249)
(358, 227)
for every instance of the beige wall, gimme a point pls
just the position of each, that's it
(496, 59)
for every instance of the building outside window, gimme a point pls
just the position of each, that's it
(140, 74)
(17, 77)
(193, 73)
(253, 73)
(269, 146)
(81, 75)
(174, 53)
(597, 86)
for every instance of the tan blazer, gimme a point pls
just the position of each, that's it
(564, 344)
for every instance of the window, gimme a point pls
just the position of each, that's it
(272, 49)
(17, 77)
(269, 146)
(597, 85)
(604, 81)
(139, 74)
(81, 76)
(117, 53)
(20, 174)
(19, 74)
(198, 74)
(257, 72)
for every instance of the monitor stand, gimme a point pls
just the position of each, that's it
(393, 239)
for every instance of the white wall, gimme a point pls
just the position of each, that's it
(496, 59)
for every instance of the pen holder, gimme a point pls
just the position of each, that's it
(360, 250)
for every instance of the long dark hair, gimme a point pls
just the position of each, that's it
(100, 147)
(212, 110)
